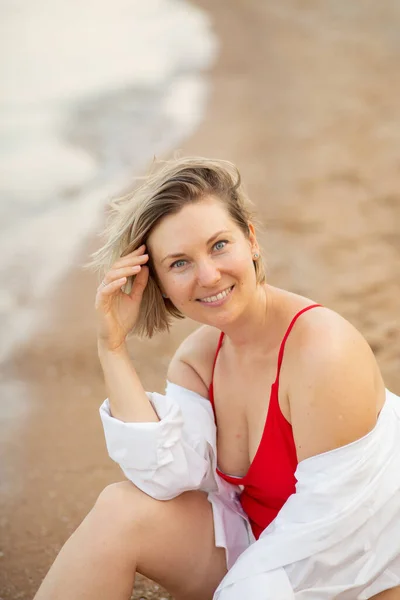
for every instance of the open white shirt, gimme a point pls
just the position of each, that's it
(337, 537)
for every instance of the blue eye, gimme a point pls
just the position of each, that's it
(220, 245)
(178, 263)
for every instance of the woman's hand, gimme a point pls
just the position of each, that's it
(117, 312)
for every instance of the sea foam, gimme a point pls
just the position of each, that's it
(90, 92)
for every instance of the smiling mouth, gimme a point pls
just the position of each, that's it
(219, 296)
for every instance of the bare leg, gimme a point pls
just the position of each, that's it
(171, 542)
(393, 594)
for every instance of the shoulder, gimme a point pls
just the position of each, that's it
(335, 388)
(192, 363)
(321, 337)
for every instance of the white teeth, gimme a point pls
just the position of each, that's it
(217, 297)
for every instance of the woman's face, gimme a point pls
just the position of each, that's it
(204, 262)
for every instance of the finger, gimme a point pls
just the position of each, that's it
(110, 288)
(115, 274)
(139, 284)
(125, 268)
(131, 259)
(140, 250)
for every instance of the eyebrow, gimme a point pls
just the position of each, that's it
(211, 239)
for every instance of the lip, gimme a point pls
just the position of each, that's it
(218, 302)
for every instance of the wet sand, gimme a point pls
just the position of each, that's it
(305, 101)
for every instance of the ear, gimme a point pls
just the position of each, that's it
(253, 238)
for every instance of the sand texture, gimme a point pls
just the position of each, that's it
(305, 101)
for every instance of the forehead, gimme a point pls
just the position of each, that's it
(195, 223)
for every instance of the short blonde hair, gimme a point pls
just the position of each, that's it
(165, 190)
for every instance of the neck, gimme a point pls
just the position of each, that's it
(251, 327)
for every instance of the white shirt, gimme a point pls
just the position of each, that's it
(338, 536)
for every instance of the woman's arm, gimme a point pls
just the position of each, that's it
(174, 452)
(335, 388)
(117, 313)
(127, 398)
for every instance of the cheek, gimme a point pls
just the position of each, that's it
(243, 270)
(241, 262)
(177, 286)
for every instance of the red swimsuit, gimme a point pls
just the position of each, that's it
(270, 479)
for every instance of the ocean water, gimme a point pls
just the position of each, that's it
(90, 91)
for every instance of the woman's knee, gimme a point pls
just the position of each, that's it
(122, 506)
(116, 494)
(172, 541)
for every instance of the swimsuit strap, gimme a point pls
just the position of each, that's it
(221, 337)
(283, 343)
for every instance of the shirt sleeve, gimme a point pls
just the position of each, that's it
(167, 457)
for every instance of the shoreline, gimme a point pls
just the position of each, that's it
(312, 149)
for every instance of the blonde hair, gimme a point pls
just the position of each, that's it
(165, 190)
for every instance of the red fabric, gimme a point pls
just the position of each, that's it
(270, 479)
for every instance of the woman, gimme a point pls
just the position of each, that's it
(288, 390)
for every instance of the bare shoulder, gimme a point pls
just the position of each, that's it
(322, 334)
(192, 363)
(335, 387)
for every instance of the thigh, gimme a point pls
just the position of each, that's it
(393, 594)
(177, 545)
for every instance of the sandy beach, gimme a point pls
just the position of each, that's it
(304, 99)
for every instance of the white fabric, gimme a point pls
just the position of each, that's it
(338, 536)
(178, 454)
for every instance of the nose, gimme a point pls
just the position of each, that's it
(208, 274)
